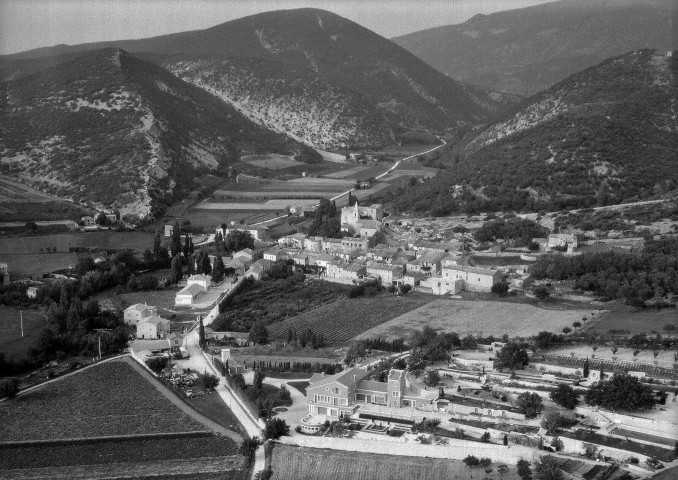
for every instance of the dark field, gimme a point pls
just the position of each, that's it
(11, 343)
(63, 241)
(27, 265)
(643, 321)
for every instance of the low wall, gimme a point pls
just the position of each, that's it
(646, 425)
(571, 445)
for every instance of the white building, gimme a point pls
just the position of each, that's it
(475, 279)
(135, 313)
(204, 281)
(32, 292)
(188, 294)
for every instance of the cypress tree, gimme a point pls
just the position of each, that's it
(201, 333)
(586, 368)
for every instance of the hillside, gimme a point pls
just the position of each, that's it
(603, 136)
(527, 50)
(309, 73)
(106, 128)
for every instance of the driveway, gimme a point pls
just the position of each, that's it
(298, 409)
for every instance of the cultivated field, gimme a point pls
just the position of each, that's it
(478, 317)
(278, 204)
(344, 319)
(108, 399)
(310, 464)
(11, 343)
(63, 241)
(644, 321)
(272, 161)
(26, 265)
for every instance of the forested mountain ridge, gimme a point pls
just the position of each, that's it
(106, 128)
(306, 72)
(606, 135)
(530, 49)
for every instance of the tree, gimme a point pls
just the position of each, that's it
(238, 240)
(84, 265)
(500, 288)
(505, 441)
(557, 444)
(157, 247)
(565, 396)
(218, 270)
(258, 333)
(567, 330)
(542, 292)
(512, 356)
(621, 392)
(9, 387)
(209, 381)
(432, 377)
(201, 333)
(204, 265)
(355, 352)
(485, 437)
(176, 272)
(258, 381)
(157, 364)
(471, 461)
(551, 422)
(529, 404)
(239, 381)
(585, 371)
(248, 448)
(175, 240)
(416, 363)
(524, 469)
(147, 282)
(275, 428)
(547, 468)
(545, 340)
(101, 219)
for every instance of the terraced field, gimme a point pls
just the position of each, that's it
(478, 317)
(344, 319)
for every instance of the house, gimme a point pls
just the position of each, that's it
(475, 279)
(241, 338)
(381, 254)
(111, 218)
(247, 254)
(188, 294)
(449, 260)
(204, 281)
(368, 228)
(88, 221)
(153, 328)
(428, 262)
(293, 241)
(413, 279)
(274, 254)
(449, 246)
(135, 313)
(258, 269)
(300, 259)
(355, 243)
(313, 244)
(169, 230)
(437, 285)
(343, 270)
(238, 265)
(32, 292)
(341, 394)
(176, 341)
(387, 273)
(320, 260)
(563, 240)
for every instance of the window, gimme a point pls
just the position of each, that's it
(335, 390)
(344, 401)
(396, 394)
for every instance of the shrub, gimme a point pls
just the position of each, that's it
(530, 404)
(276, 428)
(471, 461)
(485, 437)
(524, 469)
(9, 387)
(157, 364)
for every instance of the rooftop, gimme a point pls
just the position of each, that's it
(139, 307)
(469, 269)
(345, 377)
(193, 290)
(154, 320)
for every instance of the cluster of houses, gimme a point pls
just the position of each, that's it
(430, 267)
(89, 221)
(145, 318)
(558, 241)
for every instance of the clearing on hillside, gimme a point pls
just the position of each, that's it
(344, 319)
(111, 398)
(272, 161)
(478, 317)
(313, 463)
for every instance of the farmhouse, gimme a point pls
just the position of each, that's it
(136, 313)
(238, 265)
(341, 394)
(387, 273)
(32, 292)
(88, 221)
(475, 279)
(428, 262)
(437, 285)
(153, 328)
(413, 279)
(258, 269)
(188, 294)
(275, 253)
(296, 240)
(246, 253)
(313, 244)
(169, 230)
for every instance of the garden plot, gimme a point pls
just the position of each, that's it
(629, 356)
(104, 400)
(272, 161)
(478, 317)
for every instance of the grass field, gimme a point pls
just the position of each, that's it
(11, 343)
(344, 319)
(63, 241)
(27, 265)
(478, 317)
(643, 321)
(272, 161)
(276, 204)
(289, 462)
(104, 400)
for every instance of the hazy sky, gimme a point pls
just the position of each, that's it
(27, 24)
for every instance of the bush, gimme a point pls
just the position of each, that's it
(157, 364)
(565, 396)
(524, 469)
(276, 428)
(485, 437)
(471, 461)
(621, 392)
(9, 387)
(530, 404)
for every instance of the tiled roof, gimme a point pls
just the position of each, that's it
(193, 290)
(469, 269)
(154, 320)
(372, 385)
(345, 378)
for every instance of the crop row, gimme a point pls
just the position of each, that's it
(346, 318)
